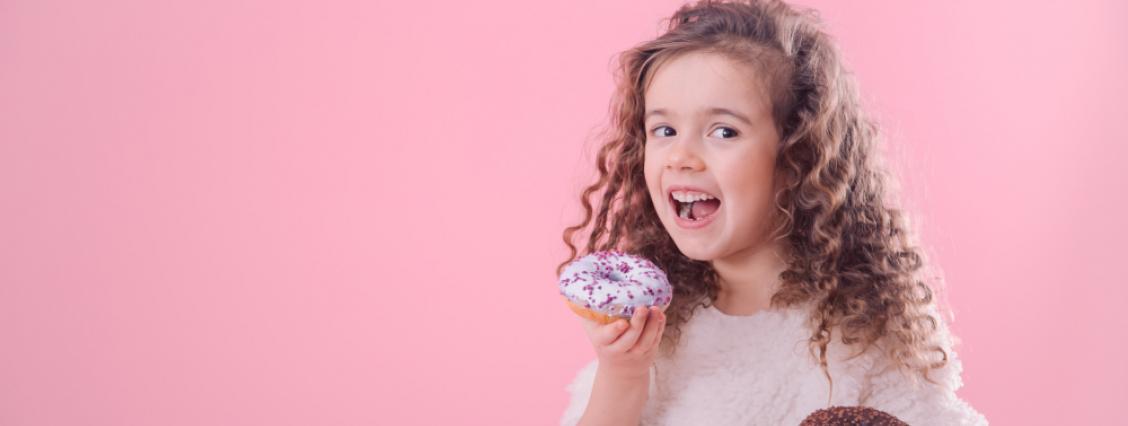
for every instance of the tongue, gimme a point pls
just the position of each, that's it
(705, 208)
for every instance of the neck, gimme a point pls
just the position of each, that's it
(749, 278)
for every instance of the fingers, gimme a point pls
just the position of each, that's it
(655, 325)
(644, 328)
(628, 339)
(604, 334)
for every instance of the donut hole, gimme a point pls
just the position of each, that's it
(613, 275)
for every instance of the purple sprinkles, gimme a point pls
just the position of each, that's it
(614, 283)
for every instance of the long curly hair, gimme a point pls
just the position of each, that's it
(851, 255)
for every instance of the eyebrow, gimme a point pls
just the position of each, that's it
(711, 111)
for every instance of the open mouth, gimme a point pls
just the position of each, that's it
(695, 207)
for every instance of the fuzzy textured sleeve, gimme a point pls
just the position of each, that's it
(579, 391)
(920, 403)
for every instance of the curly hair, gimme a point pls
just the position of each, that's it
(850, 253)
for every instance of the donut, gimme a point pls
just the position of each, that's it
(851, 415)
(607, 285)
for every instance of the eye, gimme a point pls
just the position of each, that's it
(659, 128)
(731, 131)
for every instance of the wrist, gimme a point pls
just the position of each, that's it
(624, 375)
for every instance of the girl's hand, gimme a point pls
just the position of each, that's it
(626, 349)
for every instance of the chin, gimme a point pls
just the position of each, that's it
(692, 247)
(704, 254)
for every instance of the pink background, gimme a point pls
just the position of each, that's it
(262, 212)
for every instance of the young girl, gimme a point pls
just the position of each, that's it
(741, 164)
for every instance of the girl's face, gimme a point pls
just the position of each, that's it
(710, 133)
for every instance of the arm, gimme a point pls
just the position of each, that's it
(613, 389)
(600, 397)
(616, 400)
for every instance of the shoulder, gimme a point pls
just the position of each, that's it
(585, 376)
(913, 399)
(579, 391)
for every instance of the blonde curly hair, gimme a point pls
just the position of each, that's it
(850, 253)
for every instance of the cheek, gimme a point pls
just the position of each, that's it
(650, 173)
(752, 191)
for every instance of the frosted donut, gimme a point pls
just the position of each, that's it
(607, 285)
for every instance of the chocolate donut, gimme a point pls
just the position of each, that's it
(851, 416)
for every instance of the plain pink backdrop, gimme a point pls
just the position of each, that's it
(296, 213)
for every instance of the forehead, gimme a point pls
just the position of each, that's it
(697, 82)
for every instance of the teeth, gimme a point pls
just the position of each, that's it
(689, 197)
(684, 212)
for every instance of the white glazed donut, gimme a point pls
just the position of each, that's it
(607, 285)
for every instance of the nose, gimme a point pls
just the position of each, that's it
(684, 157)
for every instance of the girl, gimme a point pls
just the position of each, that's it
(741, 163)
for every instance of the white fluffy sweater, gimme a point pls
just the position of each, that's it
(757, 370)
